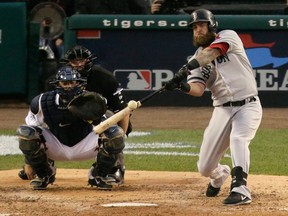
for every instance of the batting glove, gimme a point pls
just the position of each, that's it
(185, 87)
(179, 76)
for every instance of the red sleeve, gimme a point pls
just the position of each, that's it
(223, 47)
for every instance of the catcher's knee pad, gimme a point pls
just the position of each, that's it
(30, 144)
(114, 142)
(29, 139)
(104, 163)
(112, 145)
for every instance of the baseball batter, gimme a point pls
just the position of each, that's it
(220, 64)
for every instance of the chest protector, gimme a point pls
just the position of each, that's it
(67, 128)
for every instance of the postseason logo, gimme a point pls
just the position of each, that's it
(142, 79)
(134, 79)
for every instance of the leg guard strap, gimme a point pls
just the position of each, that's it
(104, 163)
(35, 155)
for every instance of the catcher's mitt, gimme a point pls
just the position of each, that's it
(89, 106)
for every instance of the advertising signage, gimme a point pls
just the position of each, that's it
(144, 54)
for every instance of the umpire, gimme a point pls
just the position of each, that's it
(102, 81)
(99, 80)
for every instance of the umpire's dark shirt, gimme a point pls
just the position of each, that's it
(104, 82)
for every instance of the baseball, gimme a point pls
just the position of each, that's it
(132, 105)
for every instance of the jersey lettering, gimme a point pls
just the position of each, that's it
(206, 70)
(223, 58)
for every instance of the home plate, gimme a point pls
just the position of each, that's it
(128, 204)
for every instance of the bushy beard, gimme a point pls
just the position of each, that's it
(204, 40)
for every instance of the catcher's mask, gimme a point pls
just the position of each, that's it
(203, 15)
(80, 58)
(68, 83)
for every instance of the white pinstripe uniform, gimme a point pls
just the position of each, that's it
(229, 78)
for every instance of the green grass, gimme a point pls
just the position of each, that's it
(269, 152)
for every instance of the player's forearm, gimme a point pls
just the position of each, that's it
(196, 89)
(124, 123)
(207, 55)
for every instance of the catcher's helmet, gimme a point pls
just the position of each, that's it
(79, 53)
(66, 74)
(203, 15)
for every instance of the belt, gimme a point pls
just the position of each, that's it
(240, 103)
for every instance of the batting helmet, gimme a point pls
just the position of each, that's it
(203, 15)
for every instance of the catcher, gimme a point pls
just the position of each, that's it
(101, 81)
(60, 127)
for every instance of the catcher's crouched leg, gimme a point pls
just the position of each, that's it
(107, 170)
(118, 171)
(27, 173)
(31, 144)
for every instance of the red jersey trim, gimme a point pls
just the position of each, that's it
(223, 47)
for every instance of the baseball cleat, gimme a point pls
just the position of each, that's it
(236, 199)
(212, 191)
(22, 175)
(99, 184)
(118, 176)
(107, 179)
(41, 183)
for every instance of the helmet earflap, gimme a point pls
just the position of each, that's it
(203, 15)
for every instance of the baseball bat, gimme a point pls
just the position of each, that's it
(143, 100)
(131, 106)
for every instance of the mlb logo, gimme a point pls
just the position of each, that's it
(134, 79)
